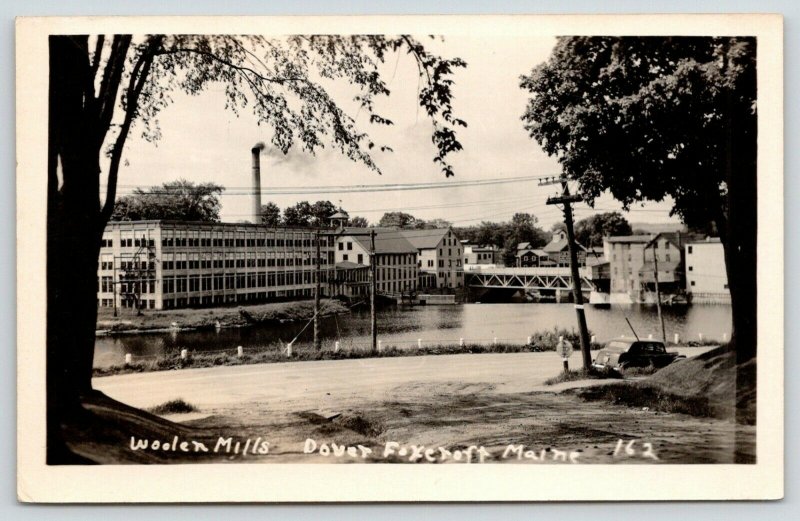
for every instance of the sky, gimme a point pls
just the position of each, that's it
(202, 142)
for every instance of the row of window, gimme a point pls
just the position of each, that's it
(194, 283)
(207, 242)
(128, 242)
(204, 264)
(449, 251)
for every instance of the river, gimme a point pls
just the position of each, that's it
(403, 326)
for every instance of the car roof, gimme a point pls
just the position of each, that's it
(626, 343)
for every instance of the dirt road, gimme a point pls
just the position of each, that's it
(495, 403)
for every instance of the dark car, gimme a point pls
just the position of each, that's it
(622, 354)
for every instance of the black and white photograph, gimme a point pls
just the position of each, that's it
(432, 246)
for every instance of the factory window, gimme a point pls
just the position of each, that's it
(344, 257)
(341, 246)
(692, 283)
(360, 258)
(690, 250)
(349, 245)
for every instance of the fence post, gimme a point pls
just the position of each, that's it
(724, 337)
(289, 350)
(592, 341)
(184, 354)
(677, 338)
(494, 342)
(461, 342)
(336, 347)
(700, 336)
(530, 340)
(128, 359)
(380, 346)
(240, 351)
(419, 343)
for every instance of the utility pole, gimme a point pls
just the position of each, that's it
(566, 199)
(654, 243)
(317, 285)
(373, 290)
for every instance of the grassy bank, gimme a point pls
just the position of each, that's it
(583, 374)
(541, 341)
(710, 385)
(207, 318)
(305, 353)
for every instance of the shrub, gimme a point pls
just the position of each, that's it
(172, 407)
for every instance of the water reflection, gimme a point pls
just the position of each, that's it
(435, 324)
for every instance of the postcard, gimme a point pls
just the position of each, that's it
(400, 258)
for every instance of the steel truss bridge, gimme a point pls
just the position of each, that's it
(490, 277)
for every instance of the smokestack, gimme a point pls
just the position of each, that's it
(256, 151)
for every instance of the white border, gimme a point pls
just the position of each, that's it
(335, 483)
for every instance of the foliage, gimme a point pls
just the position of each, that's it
(647, 118)
(358, 222)
(643, 117)
(307, 214)
(590, 231)
(398, 220)
(178, 406)
(437, 223)
(179, 200)
(548, 339)
(523, 227)
(582, 374)
(270, 214)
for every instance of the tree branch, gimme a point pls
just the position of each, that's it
(135, 86)
(112, 76)
(98, 53)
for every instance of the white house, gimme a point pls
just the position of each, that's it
(395, 257)
(439, 254)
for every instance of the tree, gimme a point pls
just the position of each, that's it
(651, 117)
(397, 220)
(270, 214)
(522, 228)
(102, 88)
(358, 222)
(179, 200)
(590, 231)
(298, 215)
(307, 214)
(433, 224)
(321, 212)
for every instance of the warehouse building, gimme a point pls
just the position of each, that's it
(172, 264)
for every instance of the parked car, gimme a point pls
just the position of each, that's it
(621, 354)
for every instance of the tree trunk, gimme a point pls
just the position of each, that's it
(74, 231)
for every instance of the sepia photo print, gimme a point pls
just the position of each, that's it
(530, 249)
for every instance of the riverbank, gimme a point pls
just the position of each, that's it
(456, 402)
(306, 353)
(209, 318)
(186, 359)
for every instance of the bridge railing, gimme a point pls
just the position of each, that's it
(541, 272)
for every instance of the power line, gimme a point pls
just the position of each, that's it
(389, 187)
